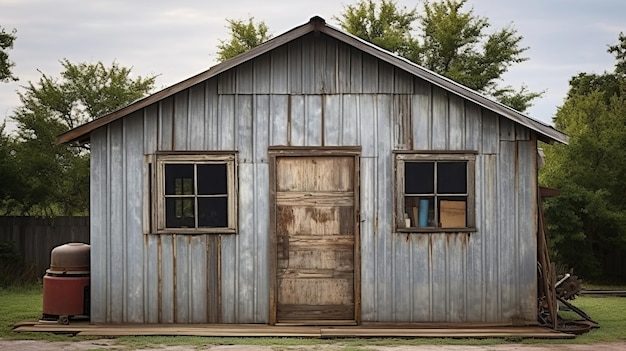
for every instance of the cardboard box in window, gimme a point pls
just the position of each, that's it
(452, 214)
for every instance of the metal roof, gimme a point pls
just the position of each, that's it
(545, 132)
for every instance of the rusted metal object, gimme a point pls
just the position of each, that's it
(569, 287)
(72, 258)
(66, 283)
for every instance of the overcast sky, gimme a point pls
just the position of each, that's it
(178, 39)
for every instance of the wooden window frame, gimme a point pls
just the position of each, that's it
(400, 157)
(157, 202)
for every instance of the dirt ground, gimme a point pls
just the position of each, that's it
(109, 344)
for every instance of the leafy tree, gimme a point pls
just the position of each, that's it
(10, 181)
(57, 176)
(449, 41)
(6, 43)
(382, 24)
(244, 35)
(587, 222)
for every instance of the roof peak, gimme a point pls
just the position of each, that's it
(317, 20)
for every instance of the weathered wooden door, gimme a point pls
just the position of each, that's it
(316, 203)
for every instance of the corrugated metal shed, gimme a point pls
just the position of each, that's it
(315, 86)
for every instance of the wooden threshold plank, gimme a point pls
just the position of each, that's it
(292, 329)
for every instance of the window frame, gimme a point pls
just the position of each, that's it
(401, 157)
(158, 196)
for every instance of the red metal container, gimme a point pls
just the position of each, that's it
(66, 283)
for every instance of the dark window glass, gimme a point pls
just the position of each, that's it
(179, 212)
(451, 177)
(213, 212)
(179, 179)
(212, 179)
(419, 177)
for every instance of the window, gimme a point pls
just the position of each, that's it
(435, 192)
(195, 193)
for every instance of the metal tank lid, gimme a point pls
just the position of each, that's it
(70, 258)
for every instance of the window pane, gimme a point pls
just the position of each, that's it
(451, 177)
(212, 179)
(419, 211)
(213, 212)
(178, 179)
(179, 212)
(419, 177)
(453, 212)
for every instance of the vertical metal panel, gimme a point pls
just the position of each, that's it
(167, 267)
(456, 258)
(506, 250)
(420, 264)
(133, 194)
(98, 207)
(196, 133)
(314, 126)
(475, 292)
(245, 241)
(211, 121)
(279, 125)
(261, 127)
(356, 70)
(330, 73)
(308, 66)
(263, 71)
(150, 242)
(456, 132)
(403, 82)
(439, 119)
(182, 268)
(368, 118)
(261, 249)
(280, 76)
(226, 82)
(117, 206)
(369, 205)
(343, 69)
(333, 119)
(386, 77)
(244, 78)
(473, 127)
(490, 133)
(319, 65)
(297, 120)
(527, 227)
(181, 120)
(152, 277)
(402, 274)
(166, 125)
(349, 129)
(439, 278)
(402, 122)
(295, 67)
(421, 116)
(226, 120)
(507, 130)
(243, 120)
(490, 232)
(384, 217)
(370, 75)
(230, 259)
(199, 302)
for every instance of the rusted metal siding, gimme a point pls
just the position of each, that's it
(314, 91)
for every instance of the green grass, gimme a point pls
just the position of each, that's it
(24, 304)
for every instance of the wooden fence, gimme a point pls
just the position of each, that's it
(36, 237)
